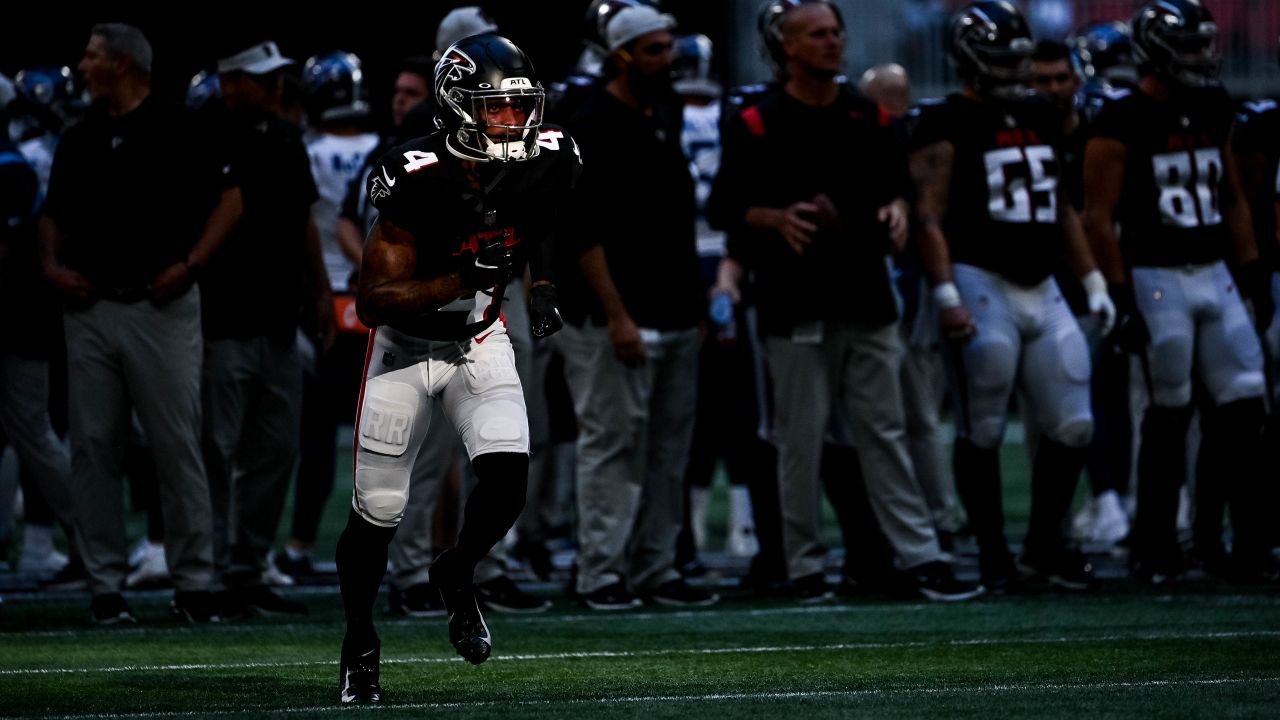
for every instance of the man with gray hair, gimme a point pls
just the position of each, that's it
(136, 208)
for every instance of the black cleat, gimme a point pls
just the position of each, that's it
(110, 609)
(1066, 570)
(195, 606)
(503, 595)
(257, 601)
(358, 677)
(678, 593)
(937, 582)
(614, 596)
(420, 600)
(468, 632)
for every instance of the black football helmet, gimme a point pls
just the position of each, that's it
(1175, 40)
(45, 101)
(770, 26)
(333, 88)
(485, 83)
(1104, 52)
(991, 48)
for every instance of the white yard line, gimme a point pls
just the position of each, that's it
(717, 697)
(627, 654)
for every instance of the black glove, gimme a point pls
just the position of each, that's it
(1130, 333)
(494, 265)
(544, 316)
(1255, 286)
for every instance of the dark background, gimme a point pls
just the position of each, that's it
(187, 38)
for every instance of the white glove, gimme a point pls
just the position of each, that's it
(1100, 304)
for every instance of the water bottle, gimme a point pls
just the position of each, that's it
(722, 315)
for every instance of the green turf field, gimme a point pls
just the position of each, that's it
(1201, 650)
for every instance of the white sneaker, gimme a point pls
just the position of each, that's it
(38, 555)
(273, 576)
(1110, 523)
(1083, 522)
(151, 570)
(49, 562)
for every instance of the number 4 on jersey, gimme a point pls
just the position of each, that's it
(550, 139)
(418, 160)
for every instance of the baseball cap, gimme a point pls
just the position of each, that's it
(257, 60)
(459, 23)
(632, 22)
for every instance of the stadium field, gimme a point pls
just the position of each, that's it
(1200, 649)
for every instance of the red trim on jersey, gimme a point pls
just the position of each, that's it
(755, 122)
(364, 378)
(885, 118)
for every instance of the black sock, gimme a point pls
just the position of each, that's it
(492, 507)
(362, 561)
(1162, 468)
(1246, 474)
(1054, 475)
(977, 473)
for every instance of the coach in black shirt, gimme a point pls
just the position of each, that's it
(630, 340)
(137, 205)
(812, 188)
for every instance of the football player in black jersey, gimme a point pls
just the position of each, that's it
(1157, 164)
(460, 211)
(995, 226)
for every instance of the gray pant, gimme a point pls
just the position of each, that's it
(924, 384)
(123, 356)
(24, 417)
(635, 428)
(857, 366)
(252, 416)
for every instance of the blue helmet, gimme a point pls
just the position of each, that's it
(1104, 52)
(691, 67)
(203, 89)
(333, 88)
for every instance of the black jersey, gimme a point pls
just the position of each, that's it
(422, 188)
(1169, 209)
(1002, 207)
(1257, 131)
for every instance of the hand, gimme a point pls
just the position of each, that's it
(1100, 304)
(1255, 286)
(170, 283)
(957, 324)
(1130, 333)
(544, 316)
(628, 347)
(71, 284)
(895, 216)
(794, 227)
(494, 265)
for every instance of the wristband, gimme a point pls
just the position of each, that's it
(946, 296)
(1094, 283)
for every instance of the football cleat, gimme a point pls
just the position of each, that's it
(468, 632)
(358, 677)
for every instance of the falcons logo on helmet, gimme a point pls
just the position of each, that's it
(453, 66)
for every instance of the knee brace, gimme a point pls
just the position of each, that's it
(1170, 363)
(383, 461)
(990, 367)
